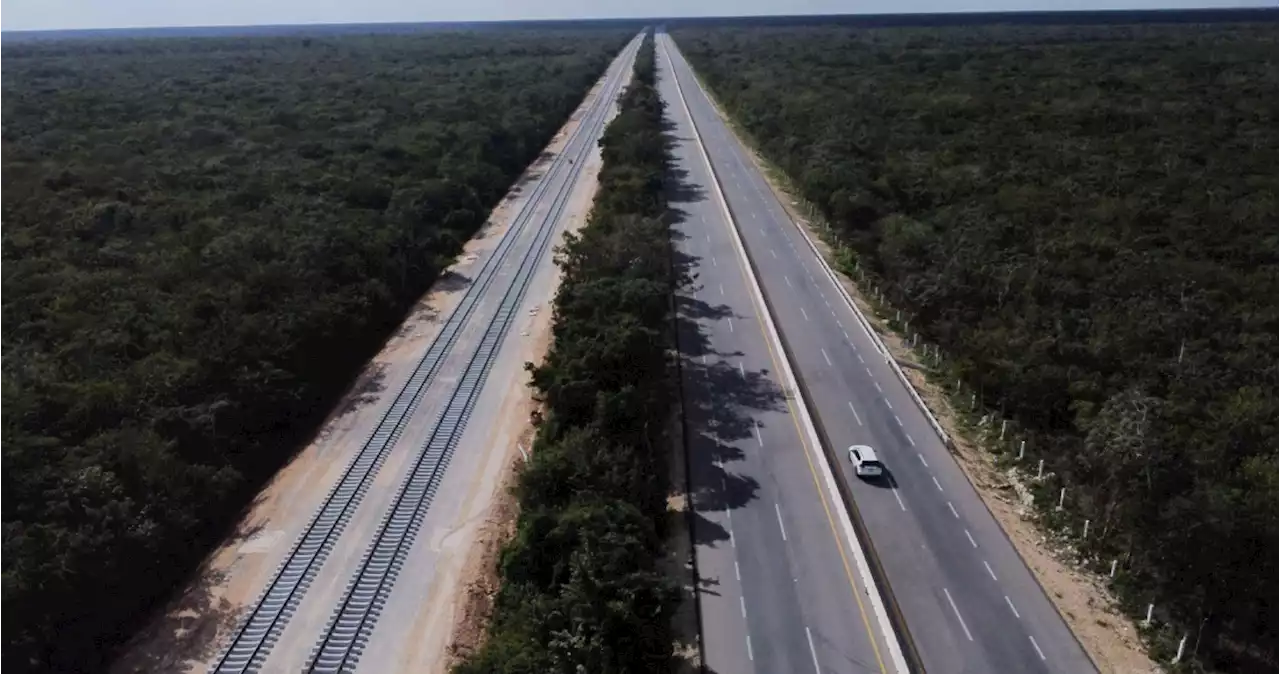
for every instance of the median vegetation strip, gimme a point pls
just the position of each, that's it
(1082, 220)
(582, 589)
(204, 240)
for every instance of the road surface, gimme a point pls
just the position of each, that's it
(779, 587)
(969, 602)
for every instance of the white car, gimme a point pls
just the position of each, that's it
(865, 463)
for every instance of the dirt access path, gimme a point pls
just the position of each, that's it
(192, 628)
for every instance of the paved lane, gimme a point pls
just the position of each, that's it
(970, 603)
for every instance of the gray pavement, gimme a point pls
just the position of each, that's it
(777, 591)
(969, 601)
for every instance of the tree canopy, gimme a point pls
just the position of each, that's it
(204, 240)
(1084, 219)
(581, 590)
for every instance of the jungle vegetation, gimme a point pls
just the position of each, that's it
(581, 588)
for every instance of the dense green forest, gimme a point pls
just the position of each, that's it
(581, 591)
(204, 240)
(1084, 218)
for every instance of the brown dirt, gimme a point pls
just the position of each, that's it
(679, 560)
(1109, 636)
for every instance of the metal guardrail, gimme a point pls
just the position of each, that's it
(349, 629)
(261, 628)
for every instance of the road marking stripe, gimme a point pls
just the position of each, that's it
(970, 537)
(855, 414)
(804, 313)
(860, 360)
(809, 635)
(713, 261)
(846, 337)
(721, 288)
(953, 510)
(1037, 647)
(921, 457)
(742, 371)
(749, 655)
(771, 252)
(913, 442)
(808, 441)
(877, 385)
(825, 356)
(936, 483)
(957, 612)
(1011, 608)
(784, 278)
(887, 403)
(743, 604)
(731, 325)
(737, 573)
(989, 571)
(756, 428)
(897, 419)
(900, 503)
(781, 526)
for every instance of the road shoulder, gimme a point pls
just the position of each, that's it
(1109, 637)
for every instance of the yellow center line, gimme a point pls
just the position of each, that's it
(791, 412)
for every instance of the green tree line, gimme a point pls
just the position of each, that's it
(204, 240)
(581, 590)
(1084, 219)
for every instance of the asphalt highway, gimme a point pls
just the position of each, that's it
(968, 601)
(780, 590)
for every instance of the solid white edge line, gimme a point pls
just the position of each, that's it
(812, 651)
(957, 612)
(814, 445)
(830, 274)
(781, 527)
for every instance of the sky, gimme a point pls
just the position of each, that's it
(74, 14)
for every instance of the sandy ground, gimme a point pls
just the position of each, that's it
(190, 629)
(1109, 637)
(477, 581)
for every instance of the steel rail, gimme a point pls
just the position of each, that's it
(353, 621)
(261, 627)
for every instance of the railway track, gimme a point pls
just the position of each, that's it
(352, 623)
(260, 629)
